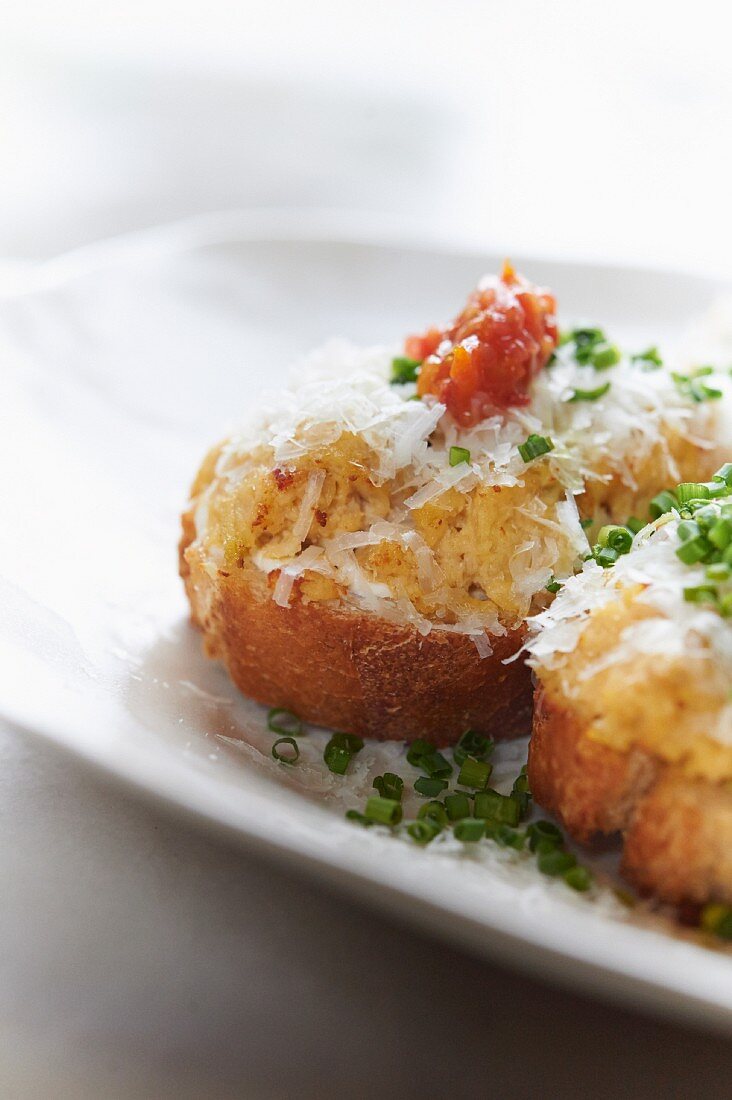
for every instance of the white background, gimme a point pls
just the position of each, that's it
(138, 958)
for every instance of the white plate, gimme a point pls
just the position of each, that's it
(121, 364)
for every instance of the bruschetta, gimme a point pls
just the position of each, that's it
(367, 549)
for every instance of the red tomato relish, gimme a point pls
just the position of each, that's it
(488, 356)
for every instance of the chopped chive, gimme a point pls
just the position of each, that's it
(724, 473)
(553, 585)
(507, 837)
(469, 830)
(385, 811)
(475, 773)
(458, 455)
(434, 811)
(664, 502)
(281, 720)
(543, 830)
(535, 446)
(634, 524)
(473, 744)
(617, 538)
(522, 792)
(693, 550)
(588, 395)
(719, 571)
(650, 356)
(605, 355)
(579, 878)
(404, 369)
(499, 808)
(700, 593)
(389, 785)
(725, 606)
(290, 757)
(688, 529)
(717, 918)
(339, 751)
(436, 766)
(584, 340)
(606, 556)
(417, 749)
(556, 862)
(429, 787)
(423, 831)
(585, 524)
(457, 806)
(691, 490)
(356, 815)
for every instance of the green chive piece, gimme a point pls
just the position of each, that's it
(434, 811)
(543, 830)
(690, 385)
(724, 606)
(720, 534)
(469, 830)
(556, 862)
(340, 750)
(535, 446)
(473, 744)
(617, 538)
(475, 774)
(457, 806)
(688, 529)
(584, 340)
(436, 766)
(691, 490)
(605, 355)
(281, 720)
(701, 593)
(717, 918)
(579, 878)
(693, 550)
(404, 369)
(585, 524)
(429, 787)
(289, 757)
(521, 792)
(719, 571)
(389, 785)
(553, 585)
(650, 358)
(507, 837)
(663, 503)
(634, 524)
(385, 811)
(499, 808)
(417, 749)
(588, 395)
(724, 473)
(356, 815)
(606, 556)
(458, 455)
(424, 831)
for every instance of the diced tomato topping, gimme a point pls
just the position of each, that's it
(487, 358)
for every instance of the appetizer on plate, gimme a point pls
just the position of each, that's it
(633, 710)
(366, 551)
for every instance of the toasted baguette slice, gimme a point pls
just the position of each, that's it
(677, 832)
(340, 668)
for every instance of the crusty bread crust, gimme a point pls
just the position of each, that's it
(350, 671)
(677, 832)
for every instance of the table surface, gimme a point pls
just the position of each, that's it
(138, 957)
